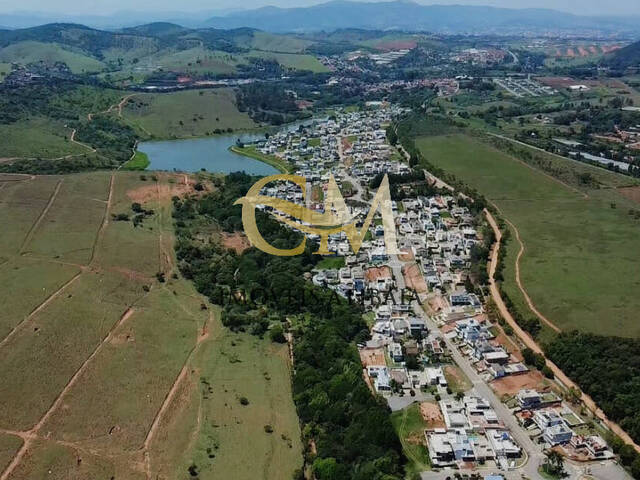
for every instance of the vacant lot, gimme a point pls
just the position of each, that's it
(118, 374)
(193, 113)
(580, 246)
(409, 424)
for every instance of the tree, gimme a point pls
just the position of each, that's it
(554, 464)
(277, 334)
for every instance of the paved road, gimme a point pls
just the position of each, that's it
(480, 387)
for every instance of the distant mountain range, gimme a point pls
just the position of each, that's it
(112, 21)
(344, 14)
(408, 15)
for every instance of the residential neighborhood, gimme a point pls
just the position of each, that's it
(432, 341)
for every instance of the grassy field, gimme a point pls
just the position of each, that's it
(193, 113)
(25, 284)
(140, 161)
(121, 364)
(37, 137)
(29, 52)
(578, 266)
(278, 43)
(196, 60)
(292, 61)
(5, 69)
(409, 425)
(69, 229)
(21, 203)
(272, 160)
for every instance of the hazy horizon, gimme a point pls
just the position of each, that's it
(159, 7)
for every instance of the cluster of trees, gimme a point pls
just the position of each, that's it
(608, 369)
(111, 137)
(538, 361)
(268, 102)
(44, 166)
(351, 428)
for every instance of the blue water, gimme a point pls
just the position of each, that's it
(211, 153)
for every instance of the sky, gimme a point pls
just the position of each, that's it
(106, 7)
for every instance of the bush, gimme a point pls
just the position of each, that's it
(244, 401)
(277, 334)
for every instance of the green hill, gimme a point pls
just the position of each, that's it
(32, 51)
(146, 49)
(626, 57)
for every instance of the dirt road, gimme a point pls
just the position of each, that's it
(530, 342)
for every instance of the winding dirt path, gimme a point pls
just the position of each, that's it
(526, 296)
(529, 342)
(117, 106)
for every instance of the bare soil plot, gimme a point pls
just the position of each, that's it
(68, 230)
(414, 279)
(632, 193)
(40, 359)
(20, 205)
(512, 384)
(237, 241)
(372, 356)
(25, 284)
(375, 273)
(432, 415)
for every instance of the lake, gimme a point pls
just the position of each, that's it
(211, 153)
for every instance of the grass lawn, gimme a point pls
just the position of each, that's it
(228, 439)
(456, 379)
(410, 426)
(192, 113)
(151, 346)
(272, 160)
(328, 263)
(579, 263)
(140, 161)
